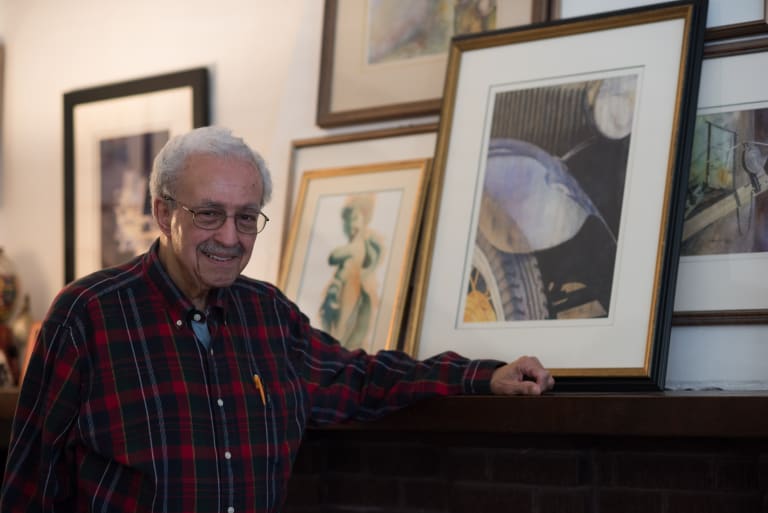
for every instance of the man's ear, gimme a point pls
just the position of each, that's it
(163, 216)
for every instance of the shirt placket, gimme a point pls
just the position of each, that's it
(224, 440)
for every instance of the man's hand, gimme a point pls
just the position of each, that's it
(524, 376)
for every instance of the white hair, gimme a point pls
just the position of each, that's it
(209, 140)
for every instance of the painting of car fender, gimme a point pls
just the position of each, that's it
(551, 202)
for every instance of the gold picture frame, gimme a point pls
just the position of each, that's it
(349, 255)
(584, 277)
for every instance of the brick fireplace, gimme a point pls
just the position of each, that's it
(667, 453)
(674, 452)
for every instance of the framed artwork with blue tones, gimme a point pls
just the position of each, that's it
(111, 136)
(724, 251)
(349, 255)
(555, 217)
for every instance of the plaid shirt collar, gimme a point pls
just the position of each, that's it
(179, 306)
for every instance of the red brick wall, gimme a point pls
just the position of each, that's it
(371, 471)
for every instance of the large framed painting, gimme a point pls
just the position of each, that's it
(349, 256)
(558, 184)
(724, 251)
(386, 59)
(111, 136)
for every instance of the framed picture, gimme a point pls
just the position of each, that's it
(725, 18)
(559, 181)
(354, 149)
(751, 18)
(350, 252)
(724, 251)
(111, 136)
(385, 60)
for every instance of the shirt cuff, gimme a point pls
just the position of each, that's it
(477, 376)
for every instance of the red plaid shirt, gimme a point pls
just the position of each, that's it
(122, 409)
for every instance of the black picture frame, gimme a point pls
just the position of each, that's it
(192, 83)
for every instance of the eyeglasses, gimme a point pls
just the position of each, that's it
(209, 218)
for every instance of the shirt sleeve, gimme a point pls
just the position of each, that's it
(353, 385)
(39, 468)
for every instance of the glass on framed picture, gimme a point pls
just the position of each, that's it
(409, 29)
(726, 208)
(127, 225)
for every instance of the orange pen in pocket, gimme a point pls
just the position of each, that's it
(260, 388)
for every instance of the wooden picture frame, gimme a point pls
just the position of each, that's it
(349, 257)
(360, 84)
(581, 276)
(352, 149)
(111, 134)
(720, 30)
(722, 252)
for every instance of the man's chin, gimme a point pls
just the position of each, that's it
(219, 282)
(220, 275)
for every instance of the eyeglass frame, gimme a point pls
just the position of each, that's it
(194, 212)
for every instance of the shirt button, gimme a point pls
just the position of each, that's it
(228, 455)
(211, 352)
(178, 323)
(220, 402)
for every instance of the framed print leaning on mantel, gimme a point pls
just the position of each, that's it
(354, 149)
(558, 181)
(385, 59)
(349, 257)
(724, 251)
(111, 136)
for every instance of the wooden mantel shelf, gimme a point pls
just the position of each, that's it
(662, 414)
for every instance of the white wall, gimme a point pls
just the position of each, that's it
(263, 61)
(263, 57)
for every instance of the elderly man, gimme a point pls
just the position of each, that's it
(173, 383)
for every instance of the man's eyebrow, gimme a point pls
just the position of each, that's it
(209, 203)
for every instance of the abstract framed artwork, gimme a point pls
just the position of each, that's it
(724, 251)
(349, 257)
(385, 60)
(111, 135)
(554, 224)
